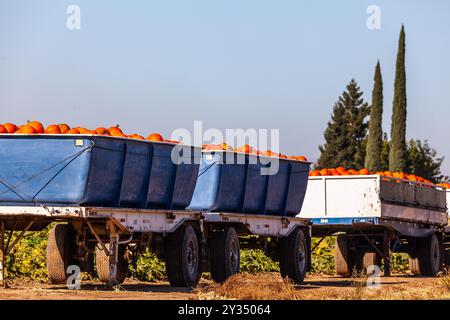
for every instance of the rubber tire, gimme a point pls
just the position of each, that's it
(343, 258)
(414, 266)
(447, 257)
(428, 261)
(348, 261)
(220, 252)
(177, 257)
(61, 248)
(102, 265)
(371, 258)
(447, 254)
(293, 249)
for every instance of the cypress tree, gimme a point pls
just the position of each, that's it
(375, 139)
(398, 149)
(385, 153)
(346, 132)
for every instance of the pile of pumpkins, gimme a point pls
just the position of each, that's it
(341, 171)
(251, 150)
(36, 127)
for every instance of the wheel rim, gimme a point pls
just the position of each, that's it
(234, 256)
(436, 257)
(301, 256)
(192, 257)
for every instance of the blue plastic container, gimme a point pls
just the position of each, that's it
(298, 182)
(228, 185)
(103, 171)
(277, 189)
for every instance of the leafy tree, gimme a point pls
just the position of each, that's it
(373, 160)
(398, 149)
(346, 132)
(422, 160)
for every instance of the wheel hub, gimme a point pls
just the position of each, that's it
(234, 254)
(301, 256)
(192, 257)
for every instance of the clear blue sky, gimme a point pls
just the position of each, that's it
(160, 65)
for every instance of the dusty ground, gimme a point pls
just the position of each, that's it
(268, 286)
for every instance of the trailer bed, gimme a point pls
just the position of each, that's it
(342, 202)
(147, 220)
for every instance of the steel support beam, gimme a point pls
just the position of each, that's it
(2, 253)
(387, 253)
(114, 236)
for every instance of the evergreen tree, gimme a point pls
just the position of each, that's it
(398, 150)
(385, 154)
(346, 132)
(375, 138)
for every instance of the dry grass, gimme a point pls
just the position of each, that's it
(445, 279)
(246, 286)
(270, 286)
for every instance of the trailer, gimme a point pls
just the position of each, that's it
(190, 242)
(446, 245)
(113, 198)
(373, 216)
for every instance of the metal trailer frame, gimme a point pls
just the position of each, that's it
(446, 242)
(116, 226)
(377, 225)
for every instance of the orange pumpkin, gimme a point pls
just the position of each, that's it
(227, 147)
(102, 131)
(115, 131)
(314, 173)
(244, 149)
(399, 175)
(10, 127)
(26, 129)
(53, 129)
(63, 127)
(37, 126)
(342, 171)
(363, 172)
(73, 131)
(215, 147)
(3, 129)
(269, 153)
(155, 137)
(82, 130)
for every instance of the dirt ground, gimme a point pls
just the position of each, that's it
(268, 286)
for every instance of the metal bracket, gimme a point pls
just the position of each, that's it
(8, 248)
(2, 253)
(114, 237)
(97, 237)
(320, 241)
